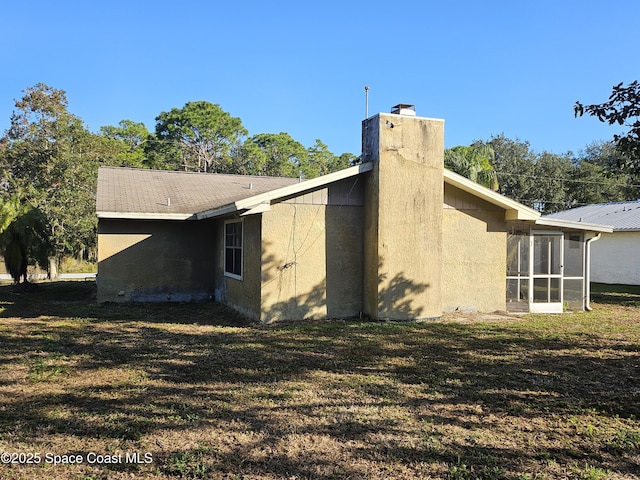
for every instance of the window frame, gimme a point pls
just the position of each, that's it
(235, 248)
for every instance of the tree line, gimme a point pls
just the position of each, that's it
(546, 181)
(49, 162)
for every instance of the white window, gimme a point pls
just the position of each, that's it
(233, 249)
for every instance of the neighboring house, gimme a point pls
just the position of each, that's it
(616, 256)
(396, 237)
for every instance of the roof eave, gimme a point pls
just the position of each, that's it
(251, 203)
(567, 224)
(513, 210)
(145, 216)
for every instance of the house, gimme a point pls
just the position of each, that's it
(616, 256)
(396, 237)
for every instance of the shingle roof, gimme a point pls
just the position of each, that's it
(622, 216)
(170, 194)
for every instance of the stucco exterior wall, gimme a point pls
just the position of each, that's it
(154, 261)
(404, 195)
(244, 294)
(615, 258)
(311, 261)
(474, 254)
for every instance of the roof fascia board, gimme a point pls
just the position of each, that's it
(260, 208)
(146, 216)
(592, 227)
(218, 212)
(514, 210)
(288, 191)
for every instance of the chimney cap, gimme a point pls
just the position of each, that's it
(404, 109)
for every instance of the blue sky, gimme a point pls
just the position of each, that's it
(514, 67)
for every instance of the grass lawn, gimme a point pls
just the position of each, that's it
(189, 391)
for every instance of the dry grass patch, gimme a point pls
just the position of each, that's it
(206, 396)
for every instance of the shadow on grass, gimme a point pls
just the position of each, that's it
(623, 295)
(69, 299)
(132, 375)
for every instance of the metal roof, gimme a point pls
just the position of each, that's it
(621, 216)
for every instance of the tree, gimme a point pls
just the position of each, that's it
(346, 160)
(514, 163)
(590, 184)
(550, 190)
(277, 155)
(162, 155)
(596, 179)
(549, 182)
(473, 162)
(132, 139)
(203, 133)
(23, 237)
(51, 155)
(622, 108)
(321, 161)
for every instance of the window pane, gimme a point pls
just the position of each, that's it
(513, 241)
(517, 295)
(554, 291)
(518, 290)
(573, 246)
(237, 261)
(228, 260)
(555, 242)
(573, 294)
(524, 255)
(233, 248)
(513, 292)
(547, 254)
(541, 290)
(517, 254)
(540, 255)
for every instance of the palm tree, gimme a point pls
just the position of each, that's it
(474, 162)
(23, 237)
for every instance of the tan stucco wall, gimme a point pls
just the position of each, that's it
(243, 295)
(311, 261)
(154, 260)
(404, 195)
(474, 254)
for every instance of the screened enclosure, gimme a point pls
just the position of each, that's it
(545, 271)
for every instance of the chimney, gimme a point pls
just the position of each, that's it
(404, 109)
(403, 215)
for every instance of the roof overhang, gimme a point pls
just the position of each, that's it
(146, 216)
(513, 210)
(259, 203)
(570, 225)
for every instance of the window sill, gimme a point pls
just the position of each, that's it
(233, 275)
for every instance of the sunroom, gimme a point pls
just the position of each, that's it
(548, 265)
